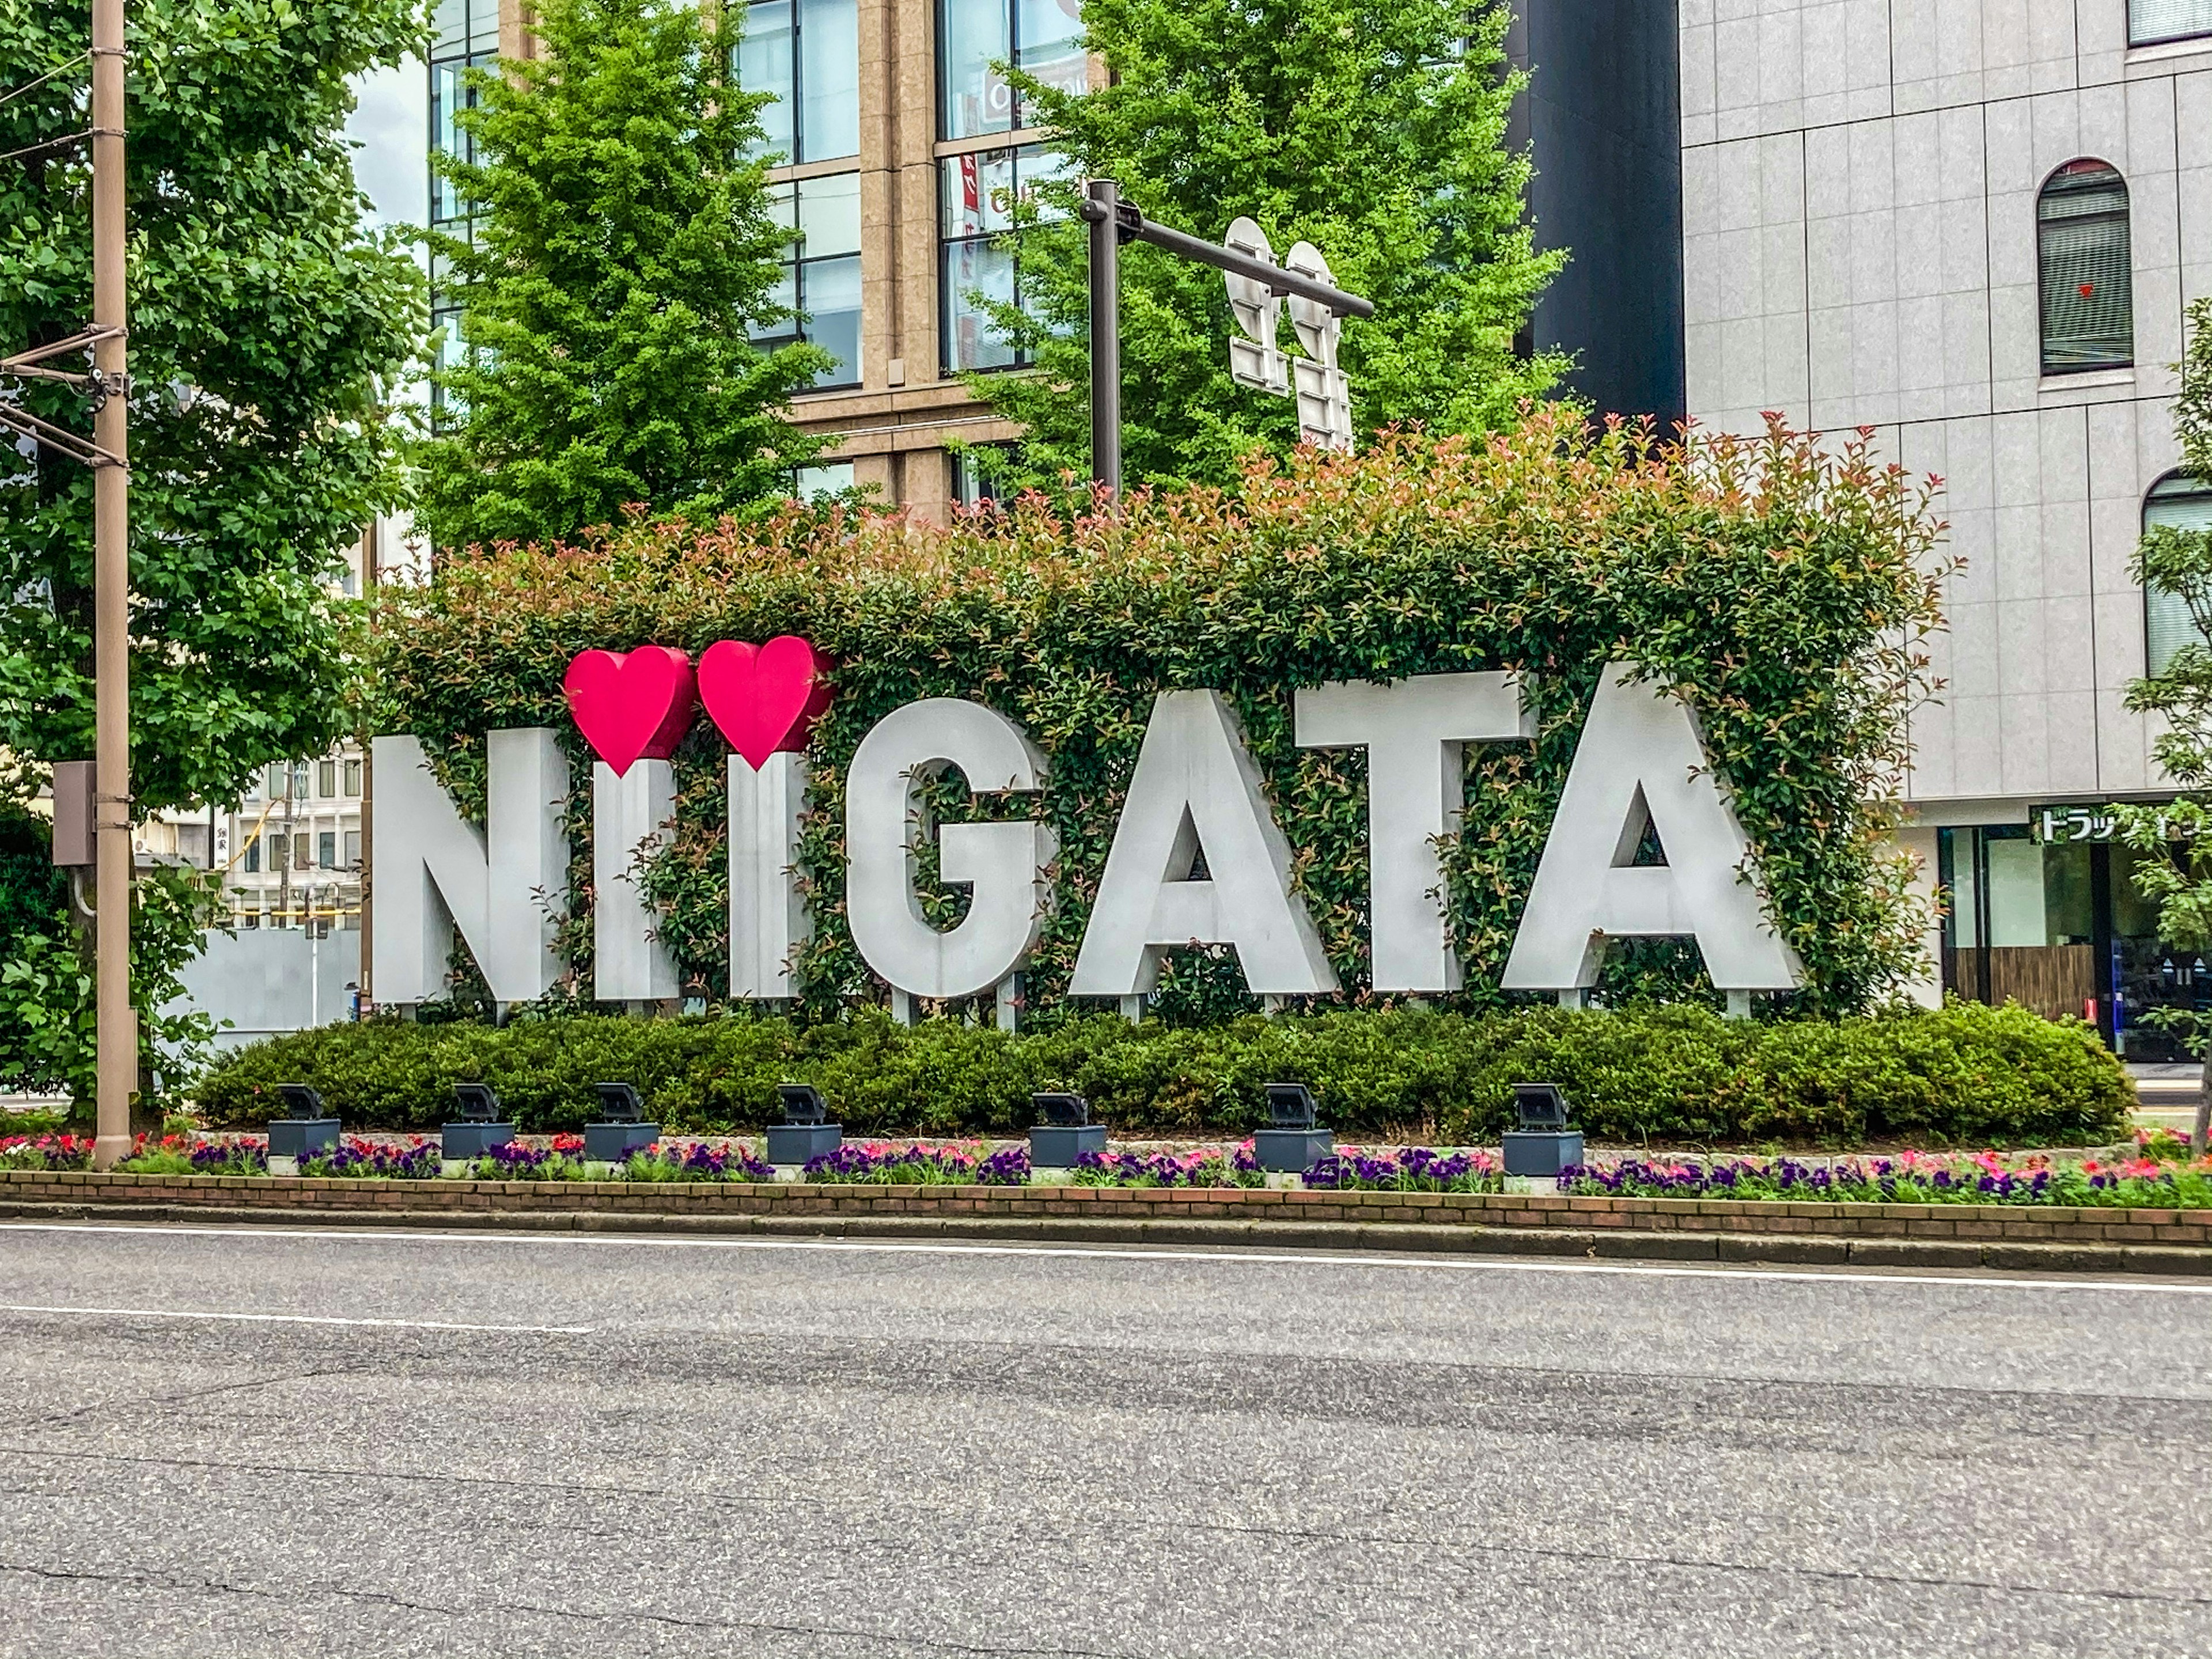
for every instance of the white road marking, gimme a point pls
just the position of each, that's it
(291, 1319)
(1256, 1257)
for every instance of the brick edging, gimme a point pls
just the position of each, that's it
(1772, 1249)
(1894, 1235)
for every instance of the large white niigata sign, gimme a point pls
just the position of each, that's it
(1198, 855)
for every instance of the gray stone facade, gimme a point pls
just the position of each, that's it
(1860, 181)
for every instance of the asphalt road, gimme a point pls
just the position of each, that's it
(428, 1444)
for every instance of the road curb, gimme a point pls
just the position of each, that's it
(1395, 1237)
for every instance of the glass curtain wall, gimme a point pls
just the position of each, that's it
(466, 36)
(807, 53)
(978, 194)
(822, 277)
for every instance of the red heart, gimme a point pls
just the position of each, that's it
(633, 705)
(2087, 289)
(763, 698)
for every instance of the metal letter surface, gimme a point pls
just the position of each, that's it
(502, 887)
(1640, 744)
(769, 920)
(628, 963)
(1414, 732)
(1195, 789)
(1004, 863)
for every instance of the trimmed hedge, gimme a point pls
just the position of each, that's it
(1963, 1075)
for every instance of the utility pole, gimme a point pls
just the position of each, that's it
(107, 387)
(118, 1021)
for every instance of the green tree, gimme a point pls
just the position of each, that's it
(267, 330)
(2178, 875)
(624, 249)
(1375, 132)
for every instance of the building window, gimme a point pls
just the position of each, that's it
(827, 479)
(326, 779)
(353, 779)
(2150, 21)
(971, 484)
(277, 774)
(977, 195)
(822, 277)
(353, 849)
(326, 849)
(2088, 290)
(302, 851)
(1043, 38)
(249, 919)
(252, 860)
(2185, 503)
(299, 780)
(466, 36)
(807, 52)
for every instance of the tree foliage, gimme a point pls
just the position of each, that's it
(1783, 592)
(1375, 132)
(2179, 561)
(623, 249)
(266, 330)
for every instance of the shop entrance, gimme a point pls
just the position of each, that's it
(2058, 925)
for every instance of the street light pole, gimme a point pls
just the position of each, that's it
(1114, 221)
(1102, 209)
(116, 1023)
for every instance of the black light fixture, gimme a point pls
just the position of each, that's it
(305, 1129)
(1294, 1142)
(622, 1128)
(477, 1129)
(1541, 1106)
(1290, 1106)
(1064, 1133)
(805, 1133)
(1543, 1146)
(301, 1103)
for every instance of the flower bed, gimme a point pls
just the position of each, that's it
(2159, 1174)
(45, 1152)
(1908, 1178)
(881, 1163)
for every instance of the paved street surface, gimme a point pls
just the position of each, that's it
(501, 1446)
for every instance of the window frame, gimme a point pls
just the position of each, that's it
(1016, 114)
(796, 264)
(2175, 485)
(2201, 31)
(1048, 163)
(2124, 215)
(794, 95)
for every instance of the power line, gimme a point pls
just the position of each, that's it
(7, 97)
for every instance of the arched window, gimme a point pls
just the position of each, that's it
(2186, 504)
(2150, 21)
(2088, 291)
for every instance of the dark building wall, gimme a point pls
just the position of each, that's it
(1603, 116)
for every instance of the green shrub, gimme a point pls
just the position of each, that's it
(1778, 585)
(1963, 1075)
